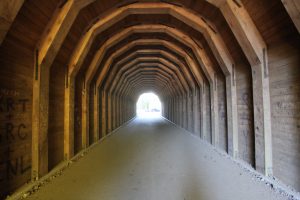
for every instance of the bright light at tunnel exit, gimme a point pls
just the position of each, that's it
(148, 105)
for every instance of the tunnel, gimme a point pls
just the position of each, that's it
(227, 73)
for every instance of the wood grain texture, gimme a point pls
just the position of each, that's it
(284, 65)
(16, 78)
(245, 114)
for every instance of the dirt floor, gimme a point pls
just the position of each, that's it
(151, 159)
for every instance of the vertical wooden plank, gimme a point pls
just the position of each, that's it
(48, 47)
(96, 114)
(255, 50)
(214, 111)
(40, 102)
(232, 117)
(103, 117)
(85, 117)
(203, 94)
(196, 112)
(69, 119)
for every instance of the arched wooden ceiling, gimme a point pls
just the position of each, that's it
(171, 47)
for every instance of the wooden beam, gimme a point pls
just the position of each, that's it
(293, 9)
(41, 90)
(93, 68)
(121, 73)
(202, 58)
(138, 82)
(86, 102)
(154, 59)
(47, 48)
(163, 53)
(49, 44)
(191, 19)
(8, 12)
(156, 8)
(255, 50)
(169, 45)
(216, 3)
(130, 70)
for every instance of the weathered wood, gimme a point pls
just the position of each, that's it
(183, 75)
(214, 40)
(217, 3)
(8, 11)
(47, 48)
(120, 51)
(40, 123)
(143, 75)
(166, 78)
(255, 50)
(153, 28)
(140, 83)
(134, 68)
(103, 117)
(159, 42)
(160, 61)
(293, 8)
(69, 96)
(151, 41)
(120, 73)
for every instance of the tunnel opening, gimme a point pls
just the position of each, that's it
(148, 105)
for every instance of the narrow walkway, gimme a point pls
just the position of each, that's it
(151, 159)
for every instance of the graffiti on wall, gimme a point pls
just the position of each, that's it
(15, 138)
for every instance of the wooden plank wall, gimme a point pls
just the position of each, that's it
(222, 112)
(91, 116)
(208, 114)
(16, 75)
(56, 115)
(17, 54)
(284, 64)
(78, 114)
(245, 113)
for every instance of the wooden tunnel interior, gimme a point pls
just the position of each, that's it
(71, 72)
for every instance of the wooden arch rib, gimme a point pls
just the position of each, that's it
(41, 104)
(183, 74)
(139, 75)
(200, 55)
(145, 74)
(214, 40)
(126, 70)
(136, 82)
(203, 100)
(254, 49)
(143, 52)
(85, 97)
(190, 62)
(159, 68)
(202, 58)
(109, 87)
(246, 40)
